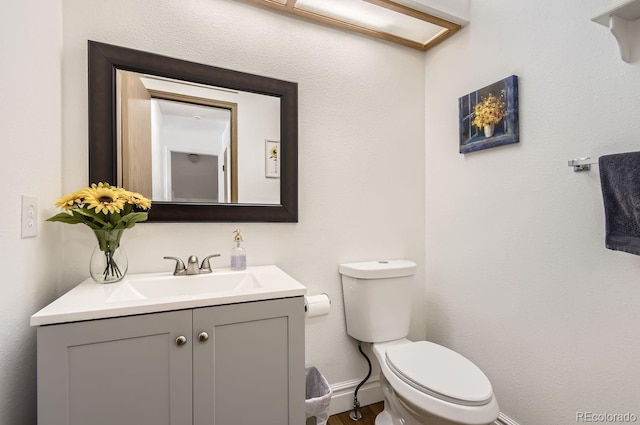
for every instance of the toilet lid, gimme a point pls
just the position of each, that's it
(439, 372)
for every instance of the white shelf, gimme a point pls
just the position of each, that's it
(619, 20)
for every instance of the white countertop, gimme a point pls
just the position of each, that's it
(90, 300)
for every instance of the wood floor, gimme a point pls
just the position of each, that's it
(368, 416)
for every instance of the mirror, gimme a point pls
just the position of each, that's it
(209, 144)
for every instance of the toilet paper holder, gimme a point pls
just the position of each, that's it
(317, 305)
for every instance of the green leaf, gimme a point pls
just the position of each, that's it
(128, 221)
(84, 220)
(96, 218)
(66, 218)
(115, 219)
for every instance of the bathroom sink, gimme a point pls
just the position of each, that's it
(156, 292)
(137, 287)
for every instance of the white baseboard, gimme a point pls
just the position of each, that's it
(504, 420)
(342, 398)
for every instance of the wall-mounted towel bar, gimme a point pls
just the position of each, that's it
(581, 164)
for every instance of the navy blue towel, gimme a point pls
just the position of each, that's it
(620, 180)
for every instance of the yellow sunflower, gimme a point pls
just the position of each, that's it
(136, 199)
(103, 198)
(273, 152)
(70, 201)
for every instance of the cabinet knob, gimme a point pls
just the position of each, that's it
(181, 340)
(203, 336)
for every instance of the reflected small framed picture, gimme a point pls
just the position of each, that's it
(272, 159)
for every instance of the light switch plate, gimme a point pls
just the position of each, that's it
(29, 216)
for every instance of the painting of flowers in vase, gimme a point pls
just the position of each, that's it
(489, 116)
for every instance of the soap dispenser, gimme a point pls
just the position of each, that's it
(238, 254)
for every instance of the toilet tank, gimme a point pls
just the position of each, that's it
(377, 299)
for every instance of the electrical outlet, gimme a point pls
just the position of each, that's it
(29, 217)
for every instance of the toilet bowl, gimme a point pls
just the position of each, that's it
(423, 383)
(427, 383)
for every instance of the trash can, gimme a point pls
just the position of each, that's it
(317, 397)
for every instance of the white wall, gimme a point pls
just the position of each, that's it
(518, 278)
(31, 34)
(262, 113)
(517, 275)
(361, 148)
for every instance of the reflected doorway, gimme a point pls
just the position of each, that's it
(194, 178)
(168, 135)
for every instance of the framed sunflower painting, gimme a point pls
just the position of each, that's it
(272, 159)
(489, 116)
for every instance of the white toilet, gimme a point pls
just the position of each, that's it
(423, 383)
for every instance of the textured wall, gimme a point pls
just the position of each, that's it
(518, 278)
(361, 148)
(31, 32)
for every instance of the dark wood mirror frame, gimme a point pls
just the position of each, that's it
(105, 59)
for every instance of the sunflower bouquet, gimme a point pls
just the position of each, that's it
(108, 211)
(490, 111)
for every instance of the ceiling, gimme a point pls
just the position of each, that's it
(419, 24)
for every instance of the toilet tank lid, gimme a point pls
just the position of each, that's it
(378, 269)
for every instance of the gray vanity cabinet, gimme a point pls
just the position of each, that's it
(240, 364)
(251, 369)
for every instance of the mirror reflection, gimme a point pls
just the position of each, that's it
(186, 142)
(244, 167)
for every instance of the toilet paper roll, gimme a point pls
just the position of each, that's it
(317, 305)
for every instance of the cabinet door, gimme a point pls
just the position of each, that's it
(251, 369)
(125, 371)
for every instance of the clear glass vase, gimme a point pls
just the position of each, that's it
(109, 261)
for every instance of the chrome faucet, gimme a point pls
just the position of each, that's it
(192, 265)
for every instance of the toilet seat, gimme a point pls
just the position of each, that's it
(439, 372)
